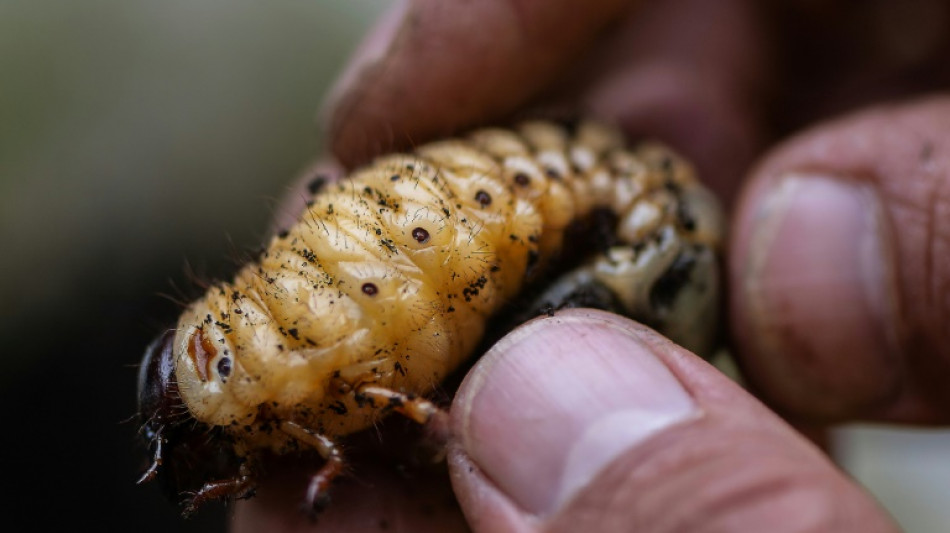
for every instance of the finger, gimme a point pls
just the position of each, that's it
(431, 68)
(840, 268)
(586, 421)
(693, 74)
(377, 493)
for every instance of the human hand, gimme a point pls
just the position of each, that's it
(839, 272)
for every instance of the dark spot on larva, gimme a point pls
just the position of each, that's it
(389, 245)
(665, 290)
(394, 177)
(224, 367)
(369, 289)
(533, 257)
(293, 333)
(282, 234)
(569, 124)
(666, 164)
(522, 179)
(420, 235)
(552, 173)
(395, 401)
(317, 184)
(684, 217)
(483, 198)
(532, 265)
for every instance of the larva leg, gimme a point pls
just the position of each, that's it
(156, 463)
(419, 410)
(318, 491)
(239, 486)
(412, 407)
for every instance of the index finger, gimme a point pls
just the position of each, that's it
(431, 68)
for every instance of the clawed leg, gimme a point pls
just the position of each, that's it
(240, 486)
(417, 409)
(420, 410)
(318, 491)
(414, 408)
(156, 463)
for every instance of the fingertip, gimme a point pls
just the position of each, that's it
(693, 75)
(642, 433)
(833, 281)
(815, 296)
(555, 401)
(451, 65)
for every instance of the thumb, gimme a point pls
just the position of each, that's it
(586, 421)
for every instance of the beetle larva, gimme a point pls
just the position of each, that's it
(386, 282)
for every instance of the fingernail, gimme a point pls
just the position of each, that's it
(821, 290)
(553, 403)
(370, 51)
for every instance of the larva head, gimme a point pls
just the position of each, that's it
(184, 454)
(217, 388)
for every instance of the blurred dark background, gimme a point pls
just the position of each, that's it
(135, 137)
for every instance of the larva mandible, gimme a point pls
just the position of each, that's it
(386, 282)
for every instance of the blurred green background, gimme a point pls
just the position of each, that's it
(137, 136)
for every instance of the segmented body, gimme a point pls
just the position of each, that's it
(389, 276)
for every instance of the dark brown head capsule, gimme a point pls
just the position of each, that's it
(184, 453)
